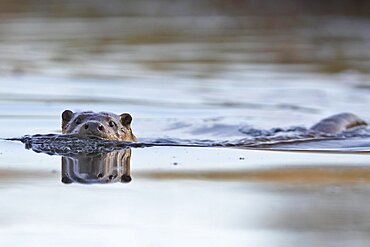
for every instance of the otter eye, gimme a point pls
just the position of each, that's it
(77, 121)
(112, 123)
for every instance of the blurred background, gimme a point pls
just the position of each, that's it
(190, 69)
(120, 39)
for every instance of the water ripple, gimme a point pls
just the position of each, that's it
(274, 139)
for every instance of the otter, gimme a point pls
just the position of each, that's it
(118, 127)
(104, 125)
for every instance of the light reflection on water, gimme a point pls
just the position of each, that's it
(189, 78)
(209, 196)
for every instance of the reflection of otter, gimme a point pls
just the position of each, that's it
(103, 124)
(97, 168)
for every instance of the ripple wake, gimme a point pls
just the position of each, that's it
(290, 139)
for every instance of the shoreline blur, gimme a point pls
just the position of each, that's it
(96, 8)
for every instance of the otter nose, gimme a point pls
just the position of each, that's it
(93, 126)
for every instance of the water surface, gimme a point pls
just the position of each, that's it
(213, 79)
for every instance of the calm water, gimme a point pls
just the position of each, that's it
(204, 78)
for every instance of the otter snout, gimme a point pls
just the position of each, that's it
(92, 128)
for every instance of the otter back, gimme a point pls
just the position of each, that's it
(338, 123)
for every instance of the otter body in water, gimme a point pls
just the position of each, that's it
(118, 127)
(111, 128)
(102, 124)
(338, 123)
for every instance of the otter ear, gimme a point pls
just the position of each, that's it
(66, 117)
(126, 119)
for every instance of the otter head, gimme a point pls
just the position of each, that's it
(102, 124)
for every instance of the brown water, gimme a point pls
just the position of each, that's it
(192, 78)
